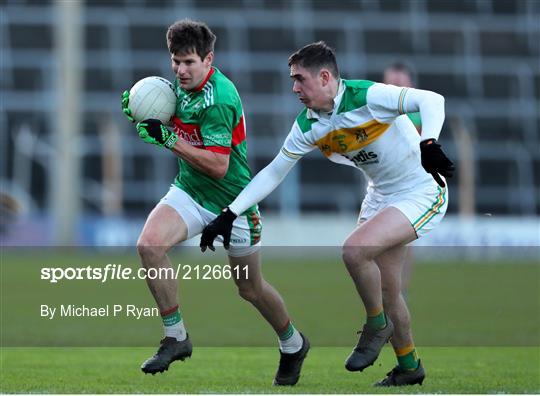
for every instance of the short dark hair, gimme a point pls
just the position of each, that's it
(314, 57)
(404, 67)
(187, 36)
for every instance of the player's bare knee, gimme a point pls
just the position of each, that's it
(249, 292)
(150, 249)
(349, 255)
(355, 255)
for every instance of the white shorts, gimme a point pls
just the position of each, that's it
(424, 207)
(246, 232)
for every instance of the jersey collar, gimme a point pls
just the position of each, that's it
(203, 83)
(313, 114)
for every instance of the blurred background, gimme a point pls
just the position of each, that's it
(73, 170)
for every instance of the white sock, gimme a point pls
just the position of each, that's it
(293, 343)
(177, 331)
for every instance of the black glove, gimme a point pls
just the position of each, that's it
(154, 132)
(221, 225)
(435, 161)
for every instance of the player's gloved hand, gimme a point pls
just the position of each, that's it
(125, 106)
(435, 161)
(154, 132)
(221, 225)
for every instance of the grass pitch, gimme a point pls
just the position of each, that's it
(250, 370)
(477, 326)
(452, 304)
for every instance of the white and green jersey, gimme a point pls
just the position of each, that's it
(365, 131)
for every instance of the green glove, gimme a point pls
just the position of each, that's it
(154, 132)
(125, 106)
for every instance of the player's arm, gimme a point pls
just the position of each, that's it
(259, 188)
(386, 102)
(217, 122)
(153, 131)
(262, 184)
(209, 162)
(266, 181)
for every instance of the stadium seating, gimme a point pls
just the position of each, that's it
(482, 55)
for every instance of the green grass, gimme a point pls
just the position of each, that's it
(250, 370)
(477, 325)
(452, 304)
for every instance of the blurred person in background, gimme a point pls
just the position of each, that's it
(358, 123)
(209, 138)
(10, 209)
(402, 74)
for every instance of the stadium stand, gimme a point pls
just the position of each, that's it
(483, 56)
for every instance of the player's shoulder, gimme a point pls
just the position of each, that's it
(302, 122)
(357, 85)
(221, 90)
(355, 94)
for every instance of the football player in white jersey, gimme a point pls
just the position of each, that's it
(358, 123)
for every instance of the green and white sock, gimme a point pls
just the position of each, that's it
(173, 325)
(290, 340)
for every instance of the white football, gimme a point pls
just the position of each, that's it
(152, 97)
